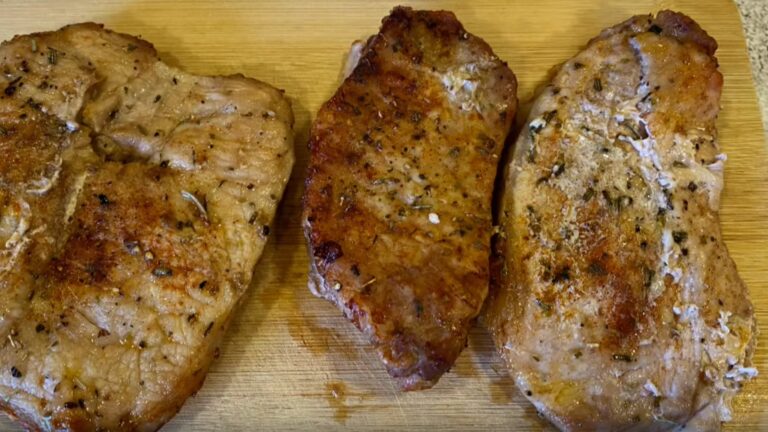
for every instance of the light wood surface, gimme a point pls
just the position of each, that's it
(290, 361)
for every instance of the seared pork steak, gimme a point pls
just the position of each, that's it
(397, 207)
(618, 306)
(136, 200)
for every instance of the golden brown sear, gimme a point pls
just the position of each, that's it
(397, 207)
(618, 306)
(135, 201)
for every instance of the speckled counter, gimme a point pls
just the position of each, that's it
(754, 16)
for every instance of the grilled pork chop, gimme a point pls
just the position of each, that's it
(619, 307)
(136, 200)
(397, 207)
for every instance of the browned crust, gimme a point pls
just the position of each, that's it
(685, 29)
(422, 303)
(101, 244)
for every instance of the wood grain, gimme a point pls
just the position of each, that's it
(290, 361)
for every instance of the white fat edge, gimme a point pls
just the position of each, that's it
(715, 187)
(669, 256)
(651, 388)
(353, 58)
(667, 246)
(719, 164)
(742, 373)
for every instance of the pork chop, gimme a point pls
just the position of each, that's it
(397, 206)
(136, 200)
(618, 306)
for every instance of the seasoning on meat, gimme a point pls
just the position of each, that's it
(397, 208)
(649, 328)
(120, 249)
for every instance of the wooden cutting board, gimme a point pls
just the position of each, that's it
(290, 361)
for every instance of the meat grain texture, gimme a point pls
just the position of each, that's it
(136, 200)
(397, 207)
(617, 305)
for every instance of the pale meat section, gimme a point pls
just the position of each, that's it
(397, 208)
(136, 199)
(618, 306)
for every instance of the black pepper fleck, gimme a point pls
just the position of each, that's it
(679, 236)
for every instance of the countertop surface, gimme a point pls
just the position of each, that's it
(290, 361)
(754, 16)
